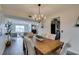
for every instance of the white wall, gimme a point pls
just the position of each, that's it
(68, 19)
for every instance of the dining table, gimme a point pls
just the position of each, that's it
(47, 46)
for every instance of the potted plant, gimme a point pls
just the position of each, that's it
(8, 26)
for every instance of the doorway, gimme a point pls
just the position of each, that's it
(55, 27)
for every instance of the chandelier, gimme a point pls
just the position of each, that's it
(39, 17)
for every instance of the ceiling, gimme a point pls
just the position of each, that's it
(25, 10)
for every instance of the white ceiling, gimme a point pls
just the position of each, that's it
(30, 9)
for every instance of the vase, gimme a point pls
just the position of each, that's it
(8, 43)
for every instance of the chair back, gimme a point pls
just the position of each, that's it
(63, 51)
(52, 36)
(30, 46)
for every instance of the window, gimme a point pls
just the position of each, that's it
(19, 28)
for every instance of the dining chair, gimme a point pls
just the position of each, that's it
(24, 46)
(30, 46)
(63, 51)
(52, 36)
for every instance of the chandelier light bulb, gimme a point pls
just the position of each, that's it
(45, 17)
(35, 15)
(42, 15)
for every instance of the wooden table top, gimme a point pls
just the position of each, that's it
(47, 45)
